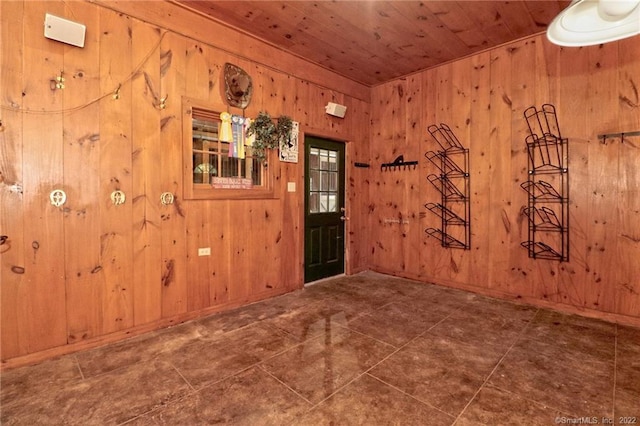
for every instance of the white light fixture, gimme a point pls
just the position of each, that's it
(64, 30)
(336, 110)
(590, 22)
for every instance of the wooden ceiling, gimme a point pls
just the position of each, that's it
(372, 42)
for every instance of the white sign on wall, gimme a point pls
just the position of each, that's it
(289, 148)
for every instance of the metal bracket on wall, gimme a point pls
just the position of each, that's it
(620, 135)
(118, 197)
(57, 197)
(166, 198)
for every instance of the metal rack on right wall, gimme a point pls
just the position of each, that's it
(547, 186)
(453, 184)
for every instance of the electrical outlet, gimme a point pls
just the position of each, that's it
(204, 251)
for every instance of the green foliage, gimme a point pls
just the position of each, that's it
(268, 134)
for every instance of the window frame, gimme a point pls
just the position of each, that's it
(203, 191)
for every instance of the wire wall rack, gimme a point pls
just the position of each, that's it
(547, 186)
(452, 182)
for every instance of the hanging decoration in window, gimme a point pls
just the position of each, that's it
(238, 86)
(236, 149)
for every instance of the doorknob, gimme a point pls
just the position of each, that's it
(342, 209)
(343, 218)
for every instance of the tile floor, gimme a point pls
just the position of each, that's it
(366, 349)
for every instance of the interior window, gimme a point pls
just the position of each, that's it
(219, 166)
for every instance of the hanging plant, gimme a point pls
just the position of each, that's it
(268, 134)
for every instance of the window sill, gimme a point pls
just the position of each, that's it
(205, 192)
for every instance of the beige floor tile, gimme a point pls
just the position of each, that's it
(572, 331)
(32, 381)
(398, 322)
(203, 362)
(142, 348)
(486, 321)
(627, 396)
(108, 399)
(320, 366)
(496, 407)
(252, 397)
(570, 380)
(367, 401)
(440, 371)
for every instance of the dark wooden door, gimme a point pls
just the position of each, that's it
(324, 207)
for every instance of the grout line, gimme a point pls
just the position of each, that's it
(538, 403)
(410, 396)
(82, 378)
(345, 327)
(165, 404)
(180, 374)
(261, 368)
(368, 370)
(486, 380)
(338, 390)
(615, 373)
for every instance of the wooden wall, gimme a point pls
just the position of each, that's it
(482, 98)
(91, 272)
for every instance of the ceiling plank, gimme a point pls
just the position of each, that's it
(375, 41)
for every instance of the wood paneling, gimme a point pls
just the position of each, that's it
(373, 42)
(13, 315)
(43, 301)
(146, 153)
(483, 98)
(91, 272)
(173, 75)
(480, 169)
(240, 46)
(627, 289)
(115, 172)
(94, 271)
(82, 154)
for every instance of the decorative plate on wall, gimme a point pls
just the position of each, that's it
(238, 86)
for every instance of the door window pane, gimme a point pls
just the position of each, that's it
(333, 205)
(333, 160)
(315, 180)
(314, 158)
(333, 181)
(314, 202)
(324, 203)
(323, 181)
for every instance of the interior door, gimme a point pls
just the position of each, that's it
(324, 208)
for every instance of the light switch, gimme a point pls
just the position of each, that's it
(291, 186)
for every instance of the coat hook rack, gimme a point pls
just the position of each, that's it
(398, 162)
(620, 135)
